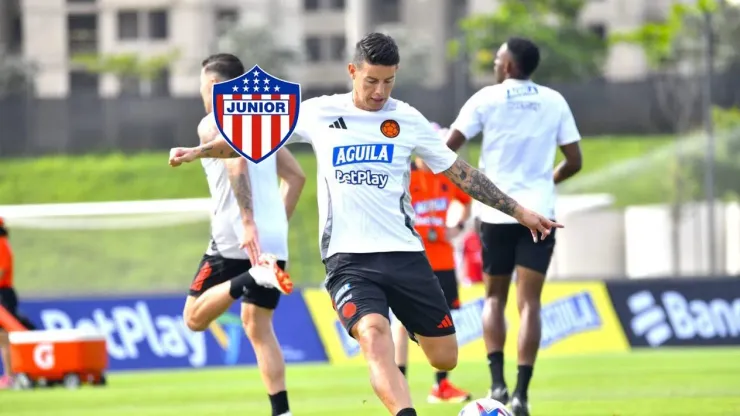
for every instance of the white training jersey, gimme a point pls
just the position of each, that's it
(363, 173)
(523, 123)
(268, 208)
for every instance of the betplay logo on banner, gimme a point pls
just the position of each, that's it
(149, 332)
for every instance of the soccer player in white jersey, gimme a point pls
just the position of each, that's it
(374, 259)
(523, 123)
(249, 216)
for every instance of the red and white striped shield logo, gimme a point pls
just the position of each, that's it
(256, 112)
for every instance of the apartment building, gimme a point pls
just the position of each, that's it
(50, 32)
(323, 31)
(53, 31)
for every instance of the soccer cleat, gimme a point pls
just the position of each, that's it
(268, 274)
(519, 406)
(446, 392)
(500, 394)
(6, 382)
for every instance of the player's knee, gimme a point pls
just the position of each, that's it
(530, 304)
(444, 359)
(373, 332)
(257, 323)
(195, 325)
(495, 303)
(441, 351)
(257, 330)
(193, 322)
(251, 328)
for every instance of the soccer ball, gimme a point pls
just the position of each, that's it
(484, 407)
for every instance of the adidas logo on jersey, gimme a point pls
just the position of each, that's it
(339, 124)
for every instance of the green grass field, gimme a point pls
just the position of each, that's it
(164, 258)
(652, 383)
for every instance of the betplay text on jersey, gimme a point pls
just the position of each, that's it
(363, 159)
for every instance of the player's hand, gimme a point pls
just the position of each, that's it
(180, 155)
(250, 242)
(535, 222)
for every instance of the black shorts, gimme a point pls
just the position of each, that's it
(214, 270)
(506, 246)
(448, 282)
(364, 283)
(9, 300)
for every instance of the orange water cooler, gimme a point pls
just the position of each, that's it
(69, 357)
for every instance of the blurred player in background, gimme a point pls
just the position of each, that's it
(249, 215)
(8, 300)
(373, 256)
(431, 197)
(523, 123)
(472, 258)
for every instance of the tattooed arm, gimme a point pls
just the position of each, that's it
(241, 186)
(212, 146)
(478, 186)
(217, 149)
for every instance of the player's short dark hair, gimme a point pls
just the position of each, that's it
(3, 231)
(225, 65)
(377, 49)
(525, 53)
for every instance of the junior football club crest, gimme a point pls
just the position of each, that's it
(256, 112)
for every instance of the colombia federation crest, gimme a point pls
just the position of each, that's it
(256, 112)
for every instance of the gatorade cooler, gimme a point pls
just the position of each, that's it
(69, 357)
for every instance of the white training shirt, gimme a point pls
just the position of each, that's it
(363, 176)
(268, 209)
(523, 123)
